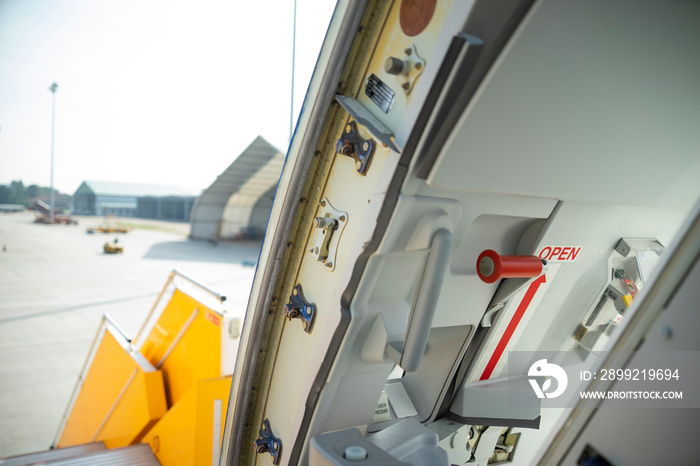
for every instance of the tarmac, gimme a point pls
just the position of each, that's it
(55, 285)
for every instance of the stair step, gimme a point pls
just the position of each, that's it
(42, 457)
(134, 455)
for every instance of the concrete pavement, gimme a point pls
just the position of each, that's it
(55, 285)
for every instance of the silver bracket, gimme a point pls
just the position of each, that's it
(412, 68)
(623, 248)
(329, 225)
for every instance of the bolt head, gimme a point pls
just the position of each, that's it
(365, 146)
(345, 149)
(348, 128)
(394, 66)
(666, 332)
(261, 448)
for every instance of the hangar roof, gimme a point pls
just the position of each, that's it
(112, 188)
(253, 173)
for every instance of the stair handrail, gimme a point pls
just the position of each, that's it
(107, 320)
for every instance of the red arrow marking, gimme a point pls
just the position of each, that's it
(514, 321)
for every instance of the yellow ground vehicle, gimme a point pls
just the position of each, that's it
(114, 247)
(110, 225)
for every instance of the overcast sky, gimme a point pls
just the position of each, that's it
(150, 91)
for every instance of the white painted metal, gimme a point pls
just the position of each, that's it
(589, 111)
(580, 134)
(662, 323)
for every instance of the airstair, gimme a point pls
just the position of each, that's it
(158, 398)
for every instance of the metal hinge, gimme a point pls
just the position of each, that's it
(268, 442)
(351, 144)
(299, 308)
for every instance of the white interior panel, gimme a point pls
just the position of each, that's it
(595, 100)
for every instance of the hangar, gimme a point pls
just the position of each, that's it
(238, 203)
(133, 200)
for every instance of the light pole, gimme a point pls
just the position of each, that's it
(52, 88)
(294, 48)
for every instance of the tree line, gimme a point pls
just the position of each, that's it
(17, 193)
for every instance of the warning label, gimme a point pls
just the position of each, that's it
(213, 318)
(381, 412)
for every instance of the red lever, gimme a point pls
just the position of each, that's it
(491, 266)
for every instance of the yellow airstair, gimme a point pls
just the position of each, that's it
(163, 393)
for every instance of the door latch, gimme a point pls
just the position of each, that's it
(329, 224)
(407, 67)
(351, 144)
(268, 442)
(299, 308)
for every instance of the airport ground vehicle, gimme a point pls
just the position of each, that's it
(433, 131)
(113, 247)
(45, 218)
(109, 226)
